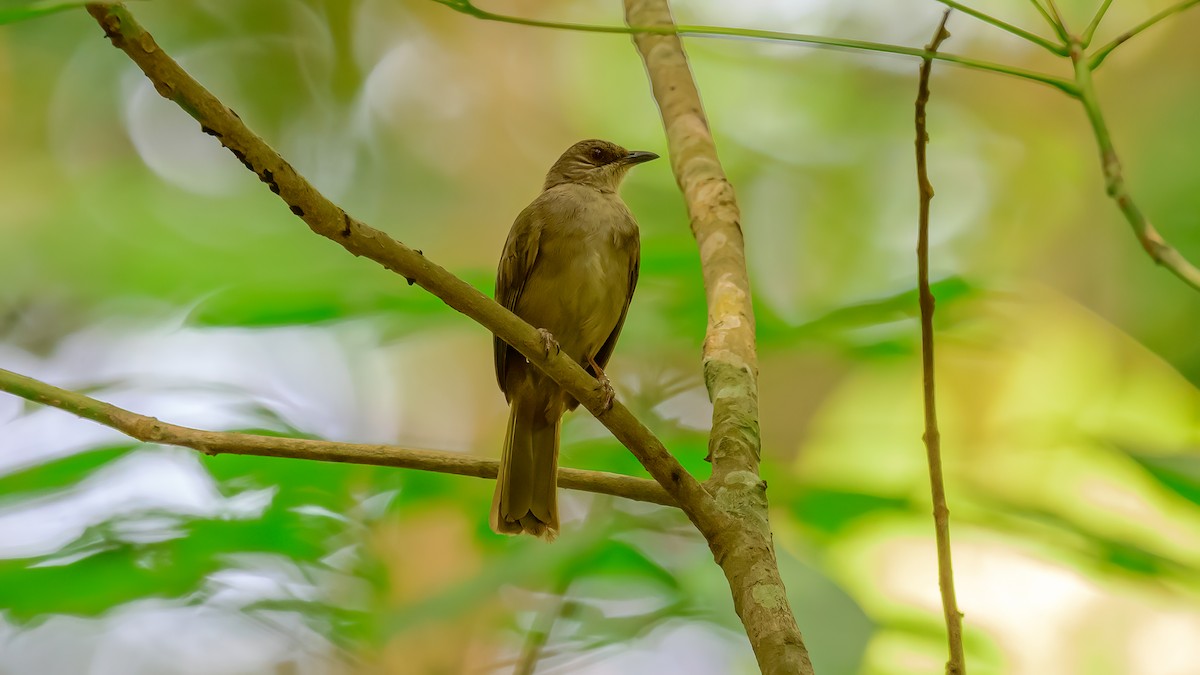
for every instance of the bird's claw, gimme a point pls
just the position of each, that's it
(549, 344)
(607, 391)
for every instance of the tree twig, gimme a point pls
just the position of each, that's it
(1058, 18)
(745, 551)
(543, 625)
(151, 430)
(1148, 236)
(470, 9)
(1038, 40)
(1102, 53)
(1090, 31)
(933, 444)
(1058, 30)
(328, 220)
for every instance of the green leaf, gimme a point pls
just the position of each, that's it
(35, 8)
(1178, 473)
(61, 473)
(831, 510)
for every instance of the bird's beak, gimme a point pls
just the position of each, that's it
(639, 156)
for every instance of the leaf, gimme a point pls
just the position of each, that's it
(36, 8)
(1178, 473)
(841, 627)
(831, 510)
(99, 582)
(61, 473)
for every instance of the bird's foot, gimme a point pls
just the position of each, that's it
(548, 342)
(607, 391)
(604, 384)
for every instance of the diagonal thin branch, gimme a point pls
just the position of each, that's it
(1102, 53)
(956, 665)
(1148, 236)
(328, 220)
(1038, 40)
(1058, 30)
(151, 430)
(1090, 32)
(778, 36)
(745, 550)
(1058, 18)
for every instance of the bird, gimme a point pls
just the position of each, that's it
(569, 268)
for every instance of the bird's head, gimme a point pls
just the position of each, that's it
(595, 163)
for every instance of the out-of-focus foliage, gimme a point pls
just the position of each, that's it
(140, 263)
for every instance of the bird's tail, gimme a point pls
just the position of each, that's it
(526, 498)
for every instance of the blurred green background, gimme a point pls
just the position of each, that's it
(141, 264)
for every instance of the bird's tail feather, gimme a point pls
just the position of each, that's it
(526, 498)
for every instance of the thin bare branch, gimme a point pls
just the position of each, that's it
(768, 35)
(1058, 18)
(933, 444)
(1098, 57)
(1038, 40)
(151, 430)
(1090, 32)
(1058, 30)
(539, 632)
(328, 220)
(1148, 236)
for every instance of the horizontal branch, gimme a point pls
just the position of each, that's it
(151, 430)
(1059, 83)
(328, 220)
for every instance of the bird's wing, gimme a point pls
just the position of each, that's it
(516, 263)
(606, 349)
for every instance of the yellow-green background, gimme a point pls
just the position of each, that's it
(140, 263)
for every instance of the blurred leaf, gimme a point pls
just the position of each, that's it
(843, 322)
(99, 582)
(30, 9)
(1178, 473)
(61, 473)
(841, 629)
(619, 559)
(831, 510)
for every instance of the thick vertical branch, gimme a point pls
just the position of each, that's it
(730, 358)
(744, 550)
(933, 442)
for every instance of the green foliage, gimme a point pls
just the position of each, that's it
(1059, 344)
(12, 11)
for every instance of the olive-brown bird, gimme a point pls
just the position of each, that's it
(569, 268)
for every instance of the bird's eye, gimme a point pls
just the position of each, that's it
(597, 154)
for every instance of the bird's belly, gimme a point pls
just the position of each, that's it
(580, 300)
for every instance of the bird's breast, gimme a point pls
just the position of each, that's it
(579, 285)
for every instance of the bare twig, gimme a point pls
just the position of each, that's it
(328, 220)
(1058, 30)
(1148, 236)
(1038, 40)
(769, 35)
(1090, 32)
(745, 550)
(1058, 18)
(1102, 53)
(933, 445)
(151, 430)
(543, 625)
